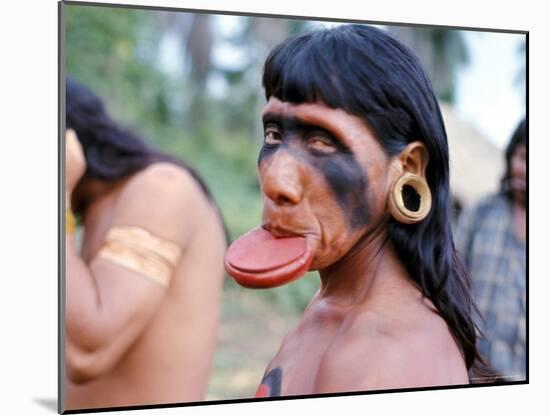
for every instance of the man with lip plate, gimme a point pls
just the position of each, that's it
(354, 172)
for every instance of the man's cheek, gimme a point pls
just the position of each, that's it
(334, 247)
(336, 234)
(348, 185)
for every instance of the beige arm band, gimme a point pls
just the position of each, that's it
(139, 250)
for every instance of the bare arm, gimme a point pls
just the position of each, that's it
(108, 305)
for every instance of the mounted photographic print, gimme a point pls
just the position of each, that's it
(268, 207)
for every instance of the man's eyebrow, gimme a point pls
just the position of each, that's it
(288, 121)
(275, 118)
(293, 122)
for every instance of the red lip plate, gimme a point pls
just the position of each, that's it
(259, 260)
(258, 251)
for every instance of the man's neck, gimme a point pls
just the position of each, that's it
(369, 268)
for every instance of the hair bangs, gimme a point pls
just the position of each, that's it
(299, 71)
(314, 67)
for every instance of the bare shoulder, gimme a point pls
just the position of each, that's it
(164, 177)
(164, 199)
(378, 352)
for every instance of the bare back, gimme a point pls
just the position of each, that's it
(170, 360)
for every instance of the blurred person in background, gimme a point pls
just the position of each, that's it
(491, 238)
(143, 285)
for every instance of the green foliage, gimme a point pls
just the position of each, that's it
(101, 51)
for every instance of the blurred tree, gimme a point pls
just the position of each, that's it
(102, 46)
(255, 39)
(199, 48)
(441, 51)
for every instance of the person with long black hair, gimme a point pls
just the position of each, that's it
(143, 285)
(354, 171)
(491, 237)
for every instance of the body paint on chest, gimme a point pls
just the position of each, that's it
(271, 384)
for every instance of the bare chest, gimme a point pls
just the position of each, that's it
(293, 370)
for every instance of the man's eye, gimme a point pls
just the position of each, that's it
(321, 144)
(272, 137)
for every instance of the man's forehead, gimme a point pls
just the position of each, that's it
(345, 126)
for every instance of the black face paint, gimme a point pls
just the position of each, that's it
(271, 384)
(348, 183)
(340, 169)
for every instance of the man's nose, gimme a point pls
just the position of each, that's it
(281, 179)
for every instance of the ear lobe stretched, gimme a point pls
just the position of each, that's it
(414, 158)
(411, 163)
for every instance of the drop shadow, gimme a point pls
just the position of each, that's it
(48, 403)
